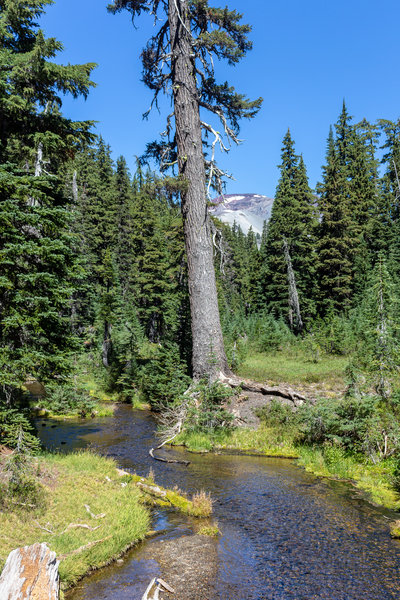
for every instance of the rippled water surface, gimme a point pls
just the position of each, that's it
(286, 535)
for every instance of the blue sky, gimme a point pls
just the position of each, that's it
(307, 57)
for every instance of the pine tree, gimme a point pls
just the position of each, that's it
(292, 226)
(178, 58)
(36, 247)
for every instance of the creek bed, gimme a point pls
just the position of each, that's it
(286, 535)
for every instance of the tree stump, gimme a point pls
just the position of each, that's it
(30, 573)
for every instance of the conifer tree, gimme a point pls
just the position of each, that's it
(293, 222)
(378, 351)
(179, 58)
(335, 242)
(36, 247)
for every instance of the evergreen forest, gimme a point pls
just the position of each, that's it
(94, 282)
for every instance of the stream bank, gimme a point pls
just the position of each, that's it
(285, 534)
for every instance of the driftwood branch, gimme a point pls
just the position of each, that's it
(85, 547)
(158, 584)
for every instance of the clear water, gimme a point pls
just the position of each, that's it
(286, 535)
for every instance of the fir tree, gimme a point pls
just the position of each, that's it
(293, 222)
(335, 242)
(36, 247)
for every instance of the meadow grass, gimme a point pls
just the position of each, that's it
(264, 440)
(71, 482)
(329, 462)
(294, 366)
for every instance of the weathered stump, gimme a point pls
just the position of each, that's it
(30, 573)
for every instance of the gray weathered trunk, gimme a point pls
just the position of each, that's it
(294, 304)
(208, 349)
(30, 573)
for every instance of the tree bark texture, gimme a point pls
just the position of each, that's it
(208, 355)
(30, 573)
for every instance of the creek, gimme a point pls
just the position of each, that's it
(286, 535)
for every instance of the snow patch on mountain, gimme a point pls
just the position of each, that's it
(246, 210)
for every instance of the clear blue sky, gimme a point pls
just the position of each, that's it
(307, 57)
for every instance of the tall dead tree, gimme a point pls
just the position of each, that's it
(296, 322)
(178, 60)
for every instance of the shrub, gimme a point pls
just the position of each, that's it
(22, 487)
(276, 414)
(12, 422)
(342, 421)
(209, 415)
(64, 399)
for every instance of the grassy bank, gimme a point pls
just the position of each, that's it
(295, 366)
(264, 440)
(89, 512)
(81, 540)
(375, 480)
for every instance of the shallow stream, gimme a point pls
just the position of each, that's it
(286, 535)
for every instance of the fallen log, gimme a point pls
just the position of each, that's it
(153, 490)
(260, 388)
(30, 573)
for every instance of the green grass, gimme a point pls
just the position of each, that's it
(334, 463)
(264, 440)
(70, 482)
(330, 462)
(294, 367)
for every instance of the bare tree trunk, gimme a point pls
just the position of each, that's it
(294, 304)
(106, 345)
(209, 358)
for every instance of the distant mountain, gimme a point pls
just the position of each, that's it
(247, 210)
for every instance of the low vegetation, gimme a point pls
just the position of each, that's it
(86, 510)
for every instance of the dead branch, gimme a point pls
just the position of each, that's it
(99, 516)
(80, 525)
(44, 528)
(85, 547)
